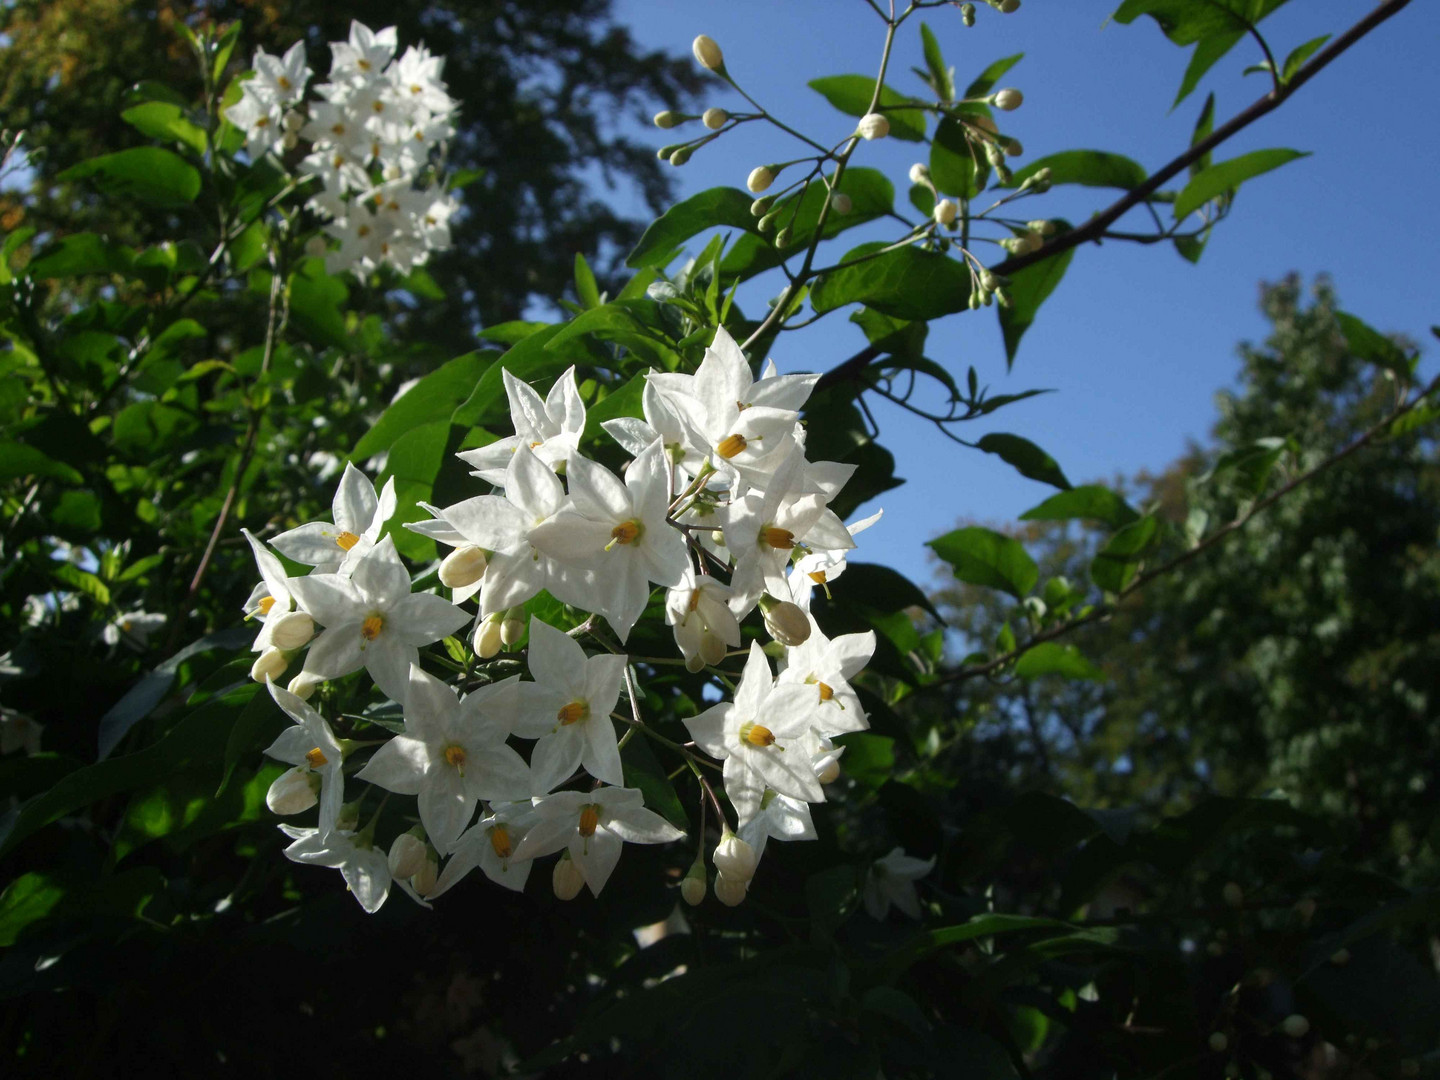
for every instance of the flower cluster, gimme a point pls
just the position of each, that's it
(372, 136)
(718, 506)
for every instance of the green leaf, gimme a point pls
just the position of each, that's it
(27, 899)
(851, 94)
(585, 287)
(987, 79)
(82, 581)
(151, 174)
(1090, 502)
(869, 758)
(18, 460)
(715, 208)
(435, 397)
(956, 167)
(1119, 560)
(984, 557)
(1027, 458)
(162, 120)
(1229, 175)
(1212, 26)
(644, 771)
(81, 253)
(1090, 168)
(1374, 347)
(942, 79)
(880, 588)
(1028, 289)
(1248, 467)
(1052, 658)
(906, 283)
(1299, 55)
(415, 460)
(626, 400)
(317, 302)
(1208, 52)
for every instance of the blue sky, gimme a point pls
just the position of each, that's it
(1136, 341)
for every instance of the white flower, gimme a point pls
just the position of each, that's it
(568, 709)
(823, 565)
(19, 732)
(366, 869)
(372, 620)
(825, 666)
(280, 79)
(133, 628)
(891, 880)
(270, 600)
(781, 818)
(873, 126)
(708, 53)
(365, 55)
(617, 535)
(760, 736)
(452, 755)
(550, 427)
(705, 627)
(359, 516)
(735, 857)
(312, 748)
(260, 120)
(593, 826)
(490, 845)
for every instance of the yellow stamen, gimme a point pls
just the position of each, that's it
(362, 64)
(416, 89)
(694, 604)
(455, 756)
(757, 735)
(777, 537)
(316, 758)
(347, 540)
(371, 627)
(627, 532)
(573, 713)
(266, 603)
(731, 445)
(825, 692)
(337, 160)
(378, 105)
(283, 83)
(337, 129)
(500, 841)
(589, 818)
(817, 576)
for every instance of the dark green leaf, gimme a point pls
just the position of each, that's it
(625, 400)
(1091, 168)
(1119, 560)
(1090, 502)
(1299, 55)
(956, 166)
(715, 208)
(851, 94)
(906, 283)
(880, 588)
(317, 302)
(1027, 458)
(1052, 658)
(1374, 347)
(81, 253)
(1248, 467)
(987, 79)
(1228, 175)
(435, 397)
(149, 173)
(1028, 289)
(1208, 52)
(644, 771)
(18, 460)
(984, 557)
(162, 120)
(941, 79)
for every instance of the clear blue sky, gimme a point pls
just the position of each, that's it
(1136, 340)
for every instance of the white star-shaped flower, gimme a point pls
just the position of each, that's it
(891, 880)
(311, 747)
(365, 867)
(359, 516)
(825, 667)
(705, 626)
(780, 817)
(823, 565)
(550, 427)
(280, 78)
(490, 844)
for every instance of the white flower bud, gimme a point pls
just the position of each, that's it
(316, 247)
(512, 627)
(786, 622)
(1008, 7)
(1295, 1026)
(708, 53)
(292, 630)
(463, 566)
(567, 878)
(761, 177)
(1043, 227)
(920, 174)
(423, 882)
(842, 203)
(714, 119)
(873, 126)
(1233, 895)
(828, 771)
(1014, 148)
(1218, 1042)
(734, 858)
(667, 119)
(1008, 100)
(289, 140)
(487, 641)
(692, 889)
(681, 156)
(729, 891)
(945, 211)
(270, 664)
(408, 855)
(303, 685)
(293, 792)
(293, 121)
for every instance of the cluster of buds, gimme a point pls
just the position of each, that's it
(719, 507)
(373, 133)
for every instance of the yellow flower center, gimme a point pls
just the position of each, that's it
(371, 627)
(731, 445)
(347, 540)
(337, 129)
(825, 692)
(757, 735)
(266, 603)
(264, 121)
(316, 758)
(777, 537)
(500, 841)
(627, 532)
(573, 713)
(283, 83)
(817, 576)
(589, 819)
(363, 64)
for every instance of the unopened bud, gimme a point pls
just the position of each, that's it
(920, 174)
(1002, 297)
(1218, 1042)
(1006, 7)
(729, 891)
(1014, 148)
(667, 119)
(945, 211)
(1233, 895)
(293, 121)
(681, 156)
(708, 53)
(714, 119)
(289, 140)
(304, 685)
(734, 858)
(768, 221)
(665, 151)
(567, 879)
(408, 855)
(992, 281)
(761, 177)
(316, 247)
(1295, 1026)
(842, 203)
(292, 630)
(786, 622)
(487, 641)
(463, 566)
(293, 792)
(1043, 227)
(512, 627)
(967, 14)
(270, 664)
(761, 206)
(423, 881)
(692, 889)
(873, 126)
(782, 238)
(828, 771)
